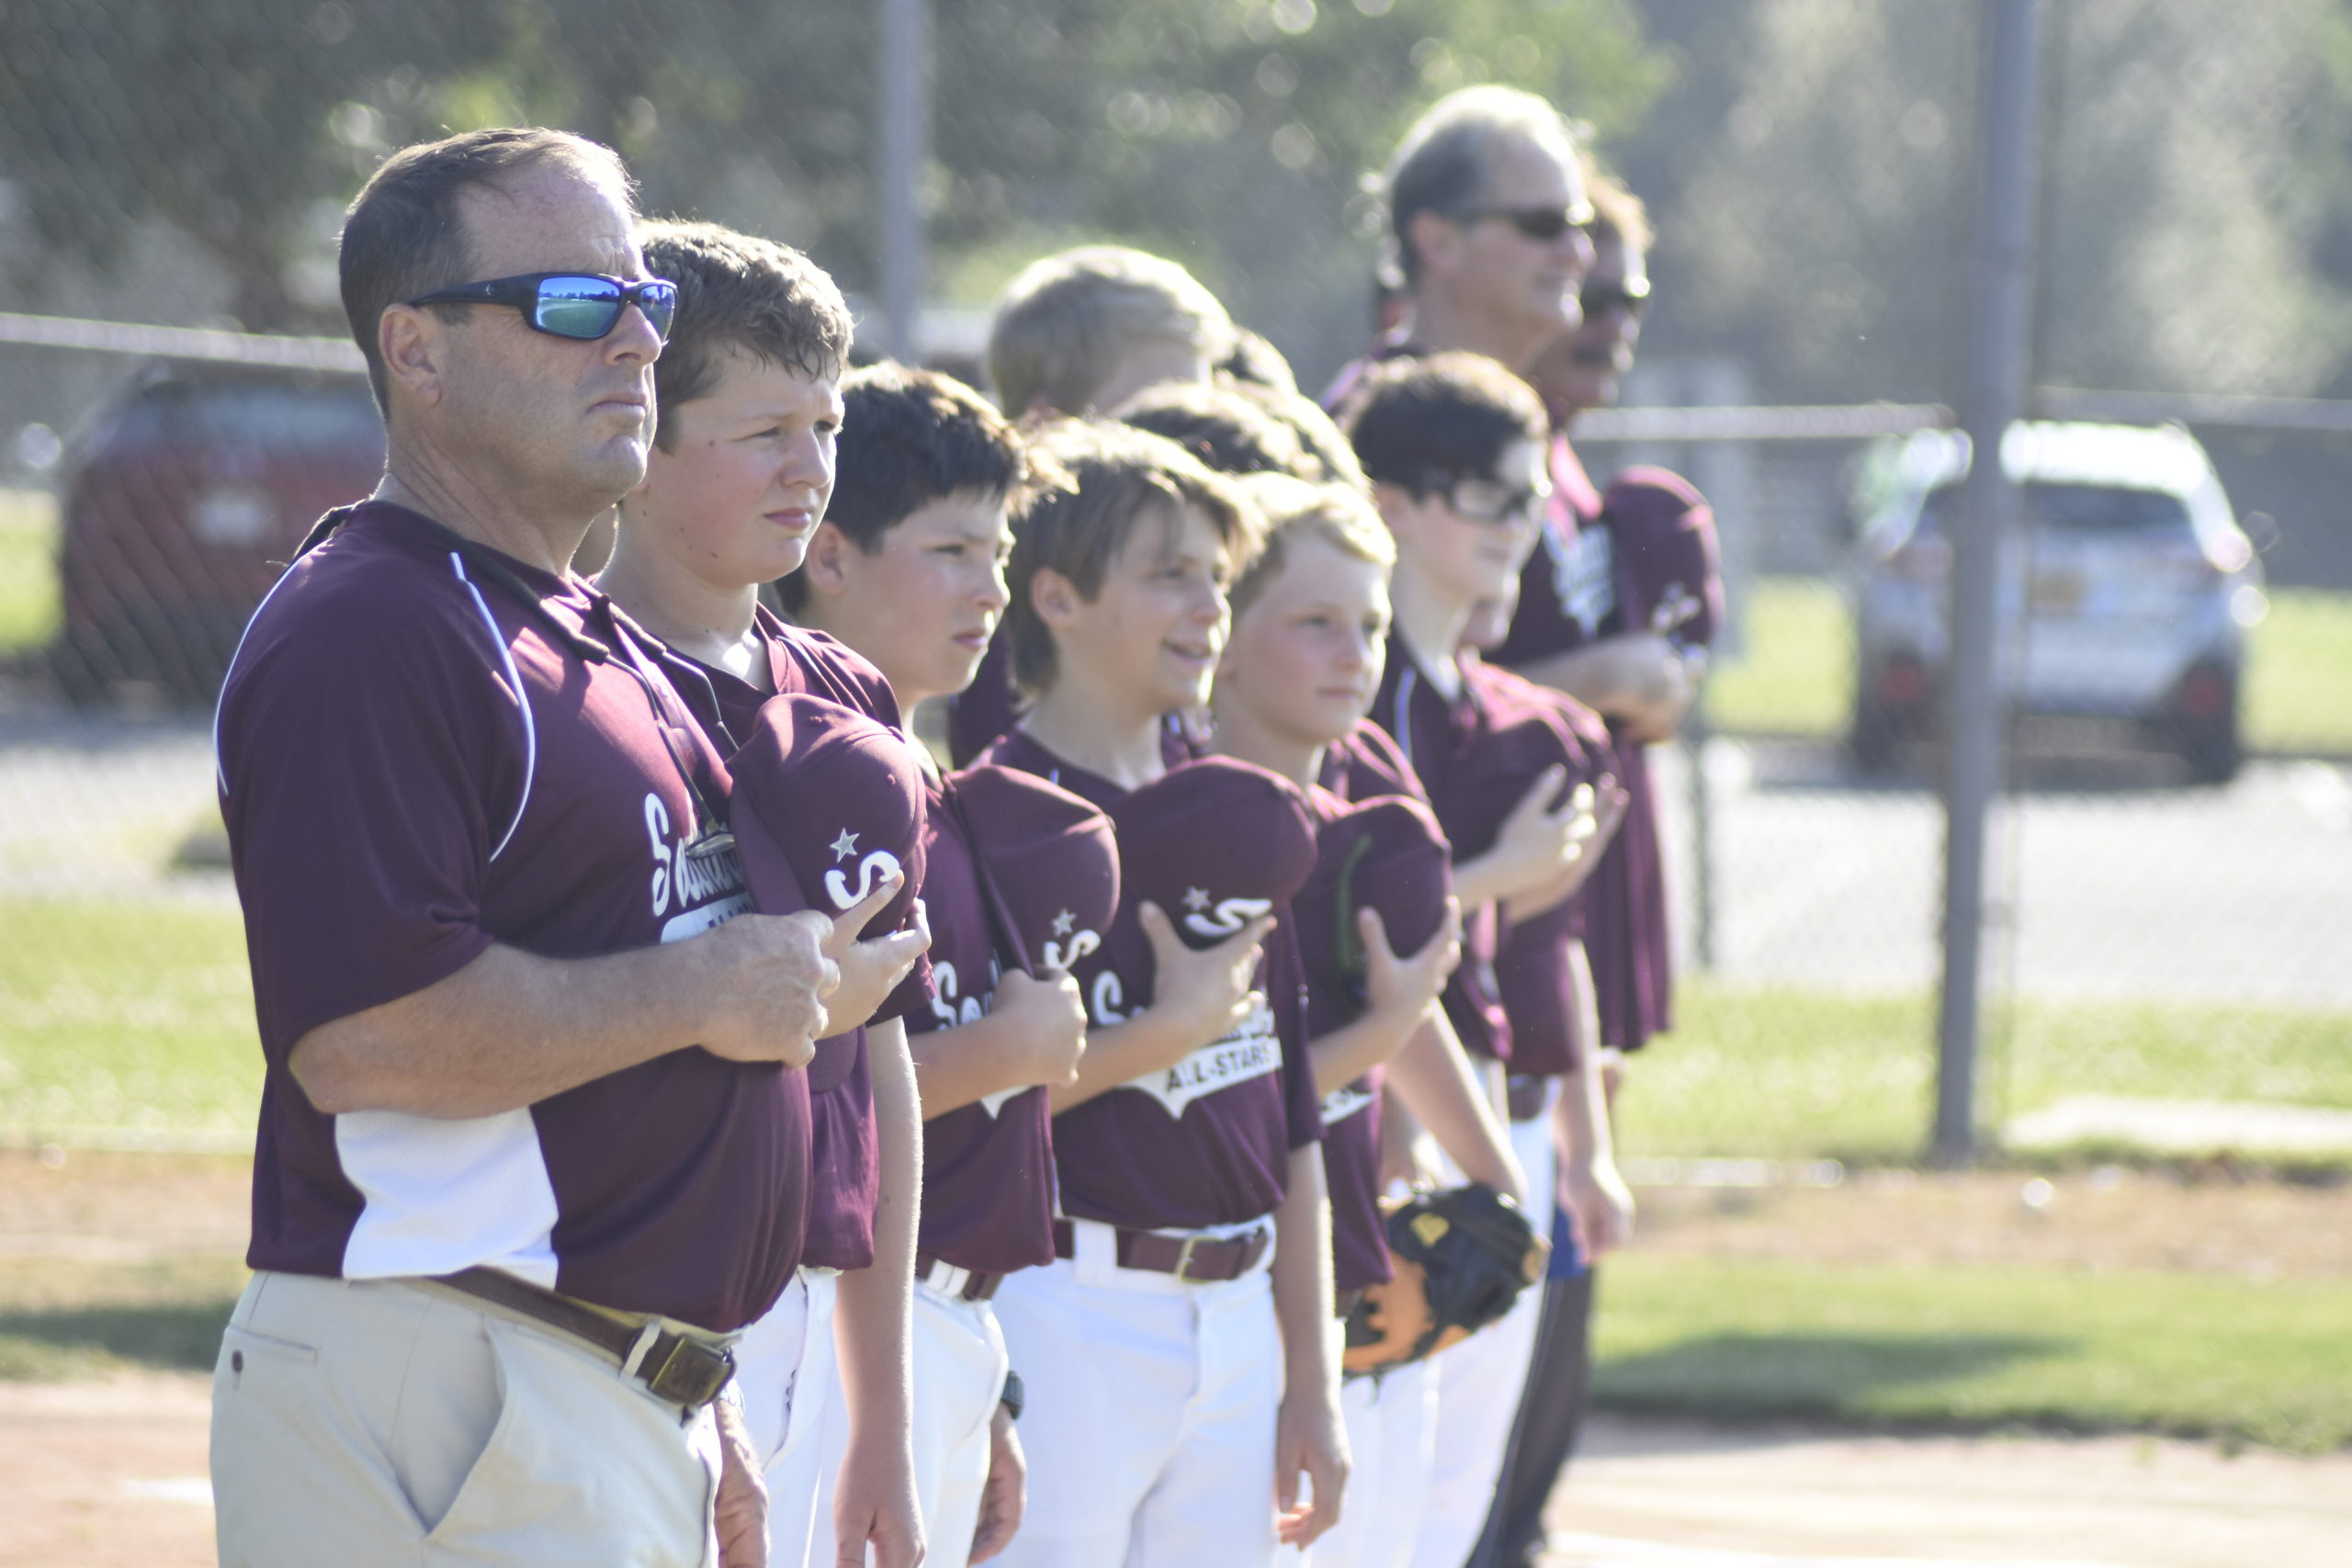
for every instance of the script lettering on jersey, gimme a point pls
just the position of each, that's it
(1250, 1052)
(954, 1009)
(1222, 918)
(1584, 574)
(1344, 1102)
(876, 865)
(703, 881)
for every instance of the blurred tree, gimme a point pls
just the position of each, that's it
(228, 118)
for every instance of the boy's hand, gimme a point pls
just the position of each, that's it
(1404, 988)
(874, 1504)
(1538, 842)
(1046, 1013)
(1600, 1206)
(871, 970)
(1006, 1495)
(1309, 1440)
(1600, 815)
(1207, 995)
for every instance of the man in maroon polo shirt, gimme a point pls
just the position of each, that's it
(533, 1137)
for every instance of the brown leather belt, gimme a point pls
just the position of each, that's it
(953, 1280)
(676, 1367)
(1195, 1259)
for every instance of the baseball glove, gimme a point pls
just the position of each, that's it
(1461, 1256)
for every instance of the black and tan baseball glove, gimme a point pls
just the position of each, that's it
(1461, 1256)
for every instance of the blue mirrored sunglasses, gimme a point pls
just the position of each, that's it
(580, 305)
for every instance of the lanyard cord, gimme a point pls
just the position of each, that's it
(708, 835)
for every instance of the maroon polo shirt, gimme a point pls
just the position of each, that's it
(1434, 733)
(845, 1182)
(1020, 875)
(426, 749)
(1208, 1142)
(1642, 557)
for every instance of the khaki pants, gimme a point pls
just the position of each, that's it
(381, 1421)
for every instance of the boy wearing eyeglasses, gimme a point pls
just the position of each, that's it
(1453, 444)
(742, 468)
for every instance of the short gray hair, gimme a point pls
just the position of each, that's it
(1442, 165)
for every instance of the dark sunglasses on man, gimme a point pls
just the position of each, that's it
(1599, 298)
(1542, 223)
(583, 306)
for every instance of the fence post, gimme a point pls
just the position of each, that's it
(1999, 351)
(902, 144)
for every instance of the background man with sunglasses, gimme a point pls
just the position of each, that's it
(530, 1149)
(1487, 206)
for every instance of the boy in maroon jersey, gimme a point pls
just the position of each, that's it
(1179, 1388)
(908, 569)
(1310, 638)
(740, 472)
(1453, 446)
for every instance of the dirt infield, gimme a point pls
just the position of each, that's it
(110, 1474)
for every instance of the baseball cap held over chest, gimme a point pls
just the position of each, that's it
(1388, 855)
(1215, 843)
(1517, 741)
(827, 804)
(1048, 864)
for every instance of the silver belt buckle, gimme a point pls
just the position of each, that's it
(949, 1279)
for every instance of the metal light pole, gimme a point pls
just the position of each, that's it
(1999, 355)
(902, 145)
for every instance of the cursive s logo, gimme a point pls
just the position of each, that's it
(681, 876)
(1226, 917)
(876, 865)
(1058, 956)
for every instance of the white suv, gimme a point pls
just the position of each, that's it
(2127, 599)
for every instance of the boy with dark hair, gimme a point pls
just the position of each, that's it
(908, 569)
(1216, 423)
(1453, 444)
(738, 478)
(1181, 1386)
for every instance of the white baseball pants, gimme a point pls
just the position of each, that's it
(1151, 1411)
(1478, 1384)
(1392, 1430)
(791, 1384)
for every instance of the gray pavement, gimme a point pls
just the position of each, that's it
(2109, 879)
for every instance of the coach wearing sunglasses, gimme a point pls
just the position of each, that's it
(530, 1149)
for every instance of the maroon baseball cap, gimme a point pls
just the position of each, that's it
(1521, 734)
(827, 802)
(1388, 855)
(1214, 843)
(1050, 858)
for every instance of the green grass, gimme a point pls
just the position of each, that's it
(1795, 1074)
(1991, 1346)
(29, 604)
(1796, 676)
(64, 1318)
(125, 1016)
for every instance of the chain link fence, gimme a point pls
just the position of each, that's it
(2172, 966)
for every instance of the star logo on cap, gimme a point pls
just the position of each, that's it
(844, 846)
(1196, 899)
(1064, 923)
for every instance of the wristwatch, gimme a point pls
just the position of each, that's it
(1012, 1398)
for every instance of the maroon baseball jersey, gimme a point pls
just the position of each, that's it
(1021, 874)
(1434, 733)
(1207, 1140)
(1643, 559)
(1528, 727)
(1387, 854)
(845, 1160)
(426, 747)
